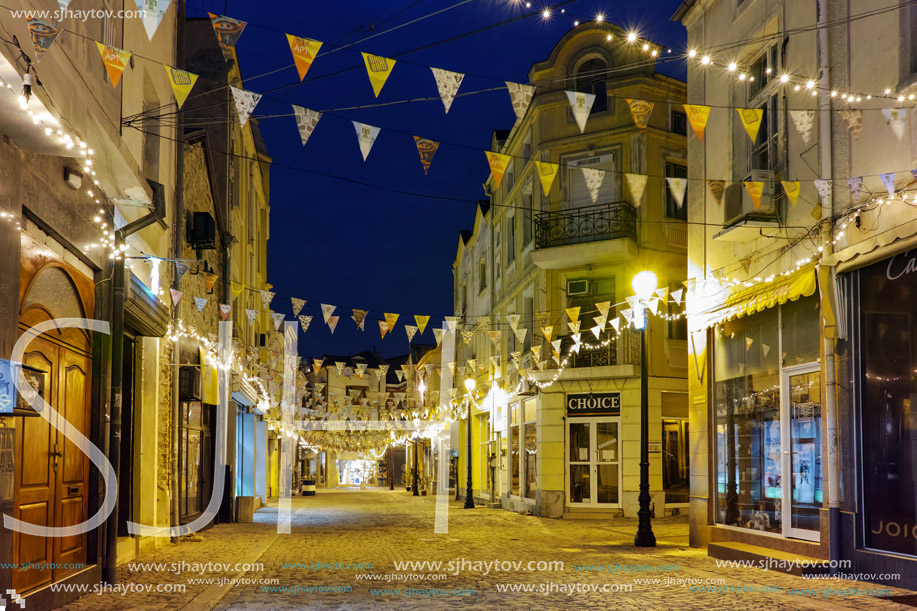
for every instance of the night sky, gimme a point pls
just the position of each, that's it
(357, 246)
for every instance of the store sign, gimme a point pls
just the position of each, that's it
(594, 404)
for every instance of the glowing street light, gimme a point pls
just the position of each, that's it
(644, 285)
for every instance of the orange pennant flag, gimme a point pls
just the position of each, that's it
(697, 116)
(497, 163)
(115, 61)
(755, 189)
(304, 51)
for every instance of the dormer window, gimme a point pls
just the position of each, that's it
(590, 78)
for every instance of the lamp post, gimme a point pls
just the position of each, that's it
(644, 284)
(470, 385)
(391, 468)
(414, 484)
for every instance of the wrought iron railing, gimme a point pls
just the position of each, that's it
(623, 349)
(587, 224)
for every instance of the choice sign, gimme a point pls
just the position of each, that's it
(594, 404)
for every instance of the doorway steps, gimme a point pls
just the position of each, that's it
(755, 556)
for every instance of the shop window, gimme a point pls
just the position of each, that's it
(514, 449)
(531, 451)
(675, 461)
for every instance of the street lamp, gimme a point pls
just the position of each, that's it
(470, 385)
(644, 285)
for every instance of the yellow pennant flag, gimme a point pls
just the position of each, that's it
(391, 319)
(697, 116)
(378, 68)
(237, 288)
(421, 322)
(115, 61)
(304, 51)
(573, 314)
(751, 119)
(755, 188)
(548, 332)
(791, 188)
(181, 82)
(546, 172)
(497, 163)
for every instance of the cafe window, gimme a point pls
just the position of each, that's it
(886, 345)
(514, 449)
(531, 452)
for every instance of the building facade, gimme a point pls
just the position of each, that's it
(538, 261)
(801, 371)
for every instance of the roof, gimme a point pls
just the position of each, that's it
(466, 234)
(683, 10)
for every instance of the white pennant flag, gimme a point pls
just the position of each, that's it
(804, 120)
(366, 134)
(245, 102)
(514, 320)
(824, 188)
(448, 83)
(278, 320)
(152, 12)
(678, 186)
(306, 120)
(327, 311)
(176, 295)
(305, 321)
(521, 96)
(251, 315)
(200, 302)
(897, 118)
(637, 185)
(266, 298)
(411, 331)
(297, 305)
(582, 106)
(676, 295)
(593, 178)
(889, 181)
(438, 334)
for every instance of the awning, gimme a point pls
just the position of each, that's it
(758, 298)
(899, 238)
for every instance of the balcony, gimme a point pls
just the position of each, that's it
(585, 235)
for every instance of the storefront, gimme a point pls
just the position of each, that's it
(594, 476)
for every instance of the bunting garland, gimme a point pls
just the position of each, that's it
(447, 83)
(636, 183)
(751, 120)
(641, 111)
(421, 321)
(43, 35)
(717, 189)
(520, 96)
(115, 61)
(546, 173)
(298, 305)
(228, 31)
(426, 148)
(306, 120)
(245, 102)
(697, 117)
(581, 103)
(305, 321)
(378, 69)
(366, 136)
(497, 163)
(304, 51)
(182, 82)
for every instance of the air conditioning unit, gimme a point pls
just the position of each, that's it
(577, 287)
(738, 205)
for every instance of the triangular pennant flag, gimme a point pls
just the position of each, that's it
(497, 163)
(791, 188)
(278, 320)
(200, 302)
(824, 188)
(251, 315)
(366, 135)
(411, 330)
(304, 51)
(245, 102)
(804, 120)
(327, 311)
(297, 305)
(678, 187)
(616, 324)
(755, 188)
(546, 172)
(305, 321)
(210, 281)
(636, 183)
(520, 96)
(581, 103)
(514, 320)
(151, 14)
(603, 308)
(225, 309)
(855, 183)
(421, 321)
(383, 328)
(176, 295)
(556, 345)
(306, 120)
(451, 322)
(641, 111)
(438, 334)
(597, 331)
(426, 148)
(448, 83)
(547, 332)
(748, 342)
(676, 295)
(542, 365)
(451, 366)
(573, 313)
(182, 82)
(536, 352)
(717, 188)
(228, 31)
(378, 68)
(180, 269)
(391, 319)
(339, 366)
(361, 368)
(359, 317)
(751, 119)
(593, 178)
(853, 119)
(316, 367)
(266, 298)
(521, 333)
(697, 117)
(888, 180)
(400, 375)
(494, 335)
(600, 321)
(115, 61)
(43, 35)
(897, 120)
(574, 326)
(333, 322)
(765, 349)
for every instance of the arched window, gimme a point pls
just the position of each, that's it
(53, 290)
(590, 78)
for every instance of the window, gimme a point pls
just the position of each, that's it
(527, 146)
(678, 327)
(763, 152)
(761, 72)
(672, 209)
(482, 275)
(484, 435)
(514, 449)
(510, 238)
(610, 188)
(675, 460)
(590, 78)
(509, 178)
(531, 447)
(679, 123)
(527, 220)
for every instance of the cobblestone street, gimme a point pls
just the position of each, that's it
(340, 538)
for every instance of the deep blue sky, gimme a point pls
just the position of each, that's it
(353, 246)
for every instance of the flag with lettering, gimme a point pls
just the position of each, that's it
(304, 51)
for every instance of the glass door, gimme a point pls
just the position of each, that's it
(593, 472)
(579, 482)
(802, 498)
(605, 465)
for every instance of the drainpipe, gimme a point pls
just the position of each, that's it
(156, 215)
(826, 146)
